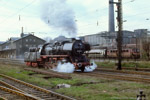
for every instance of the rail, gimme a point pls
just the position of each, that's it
(27, 96)
(51, 93)
(119, 76)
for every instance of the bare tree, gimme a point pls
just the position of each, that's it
(146, 48)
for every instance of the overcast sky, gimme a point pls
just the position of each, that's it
(91, 16)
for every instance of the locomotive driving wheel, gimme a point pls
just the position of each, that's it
(34, 64)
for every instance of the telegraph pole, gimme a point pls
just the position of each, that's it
(119, 34)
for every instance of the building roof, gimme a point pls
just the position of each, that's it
(4, 42)
(14, 38)
(60, 38)
(1, 42)
(27, 36)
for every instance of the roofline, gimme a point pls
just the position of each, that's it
(99, 33)
(7, 50)
(4, 43)
(29, 35)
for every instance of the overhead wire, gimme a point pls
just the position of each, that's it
(127, 16)
(89, 13)
(94, 23)
(17, 12)
(96, 10)
(141, 13)
(5, 20)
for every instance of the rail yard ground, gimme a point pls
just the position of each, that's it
(125, 63)
(82, 87)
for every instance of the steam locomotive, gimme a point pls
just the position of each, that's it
(49, 54)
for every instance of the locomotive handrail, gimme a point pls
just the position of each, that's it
(55, 56)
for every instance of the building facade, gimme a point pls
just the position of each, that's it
(16, 47)
(108, 40)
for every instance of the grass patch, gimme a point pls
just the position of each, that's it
(104, 90)
(19, 73)
(139, 64)
(105, 64)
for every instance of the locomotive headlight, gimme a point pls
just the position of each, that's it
(79, 65)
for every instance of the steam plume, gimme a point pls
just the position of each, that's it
(48, 39)
(91, 68)
(57, 14)
(65, 68)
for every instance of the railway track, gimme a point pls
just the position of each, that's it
(123, 71)
(28, 91)
(128, 68)
(114, 74)
(119, 76)
(10, 94)
(49, 73)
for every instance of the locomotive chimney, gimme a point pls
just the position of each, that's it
(111, 16)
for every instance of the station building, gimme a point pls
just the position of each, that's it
(15, 47)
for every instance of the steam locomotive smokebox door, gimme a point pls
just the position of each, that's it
(78, 47)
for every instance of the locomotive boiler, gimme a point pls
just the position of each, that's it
(50, 54)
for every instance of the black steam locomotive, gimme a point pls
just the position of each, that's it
(49, 54)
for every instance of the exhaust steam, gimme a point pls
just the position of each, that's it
(65, 67)
(70, 68)
(90, 68)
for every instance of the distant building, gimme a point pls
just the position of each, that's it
(141, 32)
(60, 38)
(16, 47)
(107, 39)
(101, 39)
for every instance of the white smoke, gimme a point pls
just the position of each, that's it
(65, 67)
(57, 14)
(48, 39)
(90, 68)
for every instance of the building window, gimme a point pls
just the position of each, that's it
(26, 45)
(34, 40)
(26, 40)
(30, 39)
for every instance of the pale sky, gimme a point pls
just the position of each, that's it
(87, 14)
